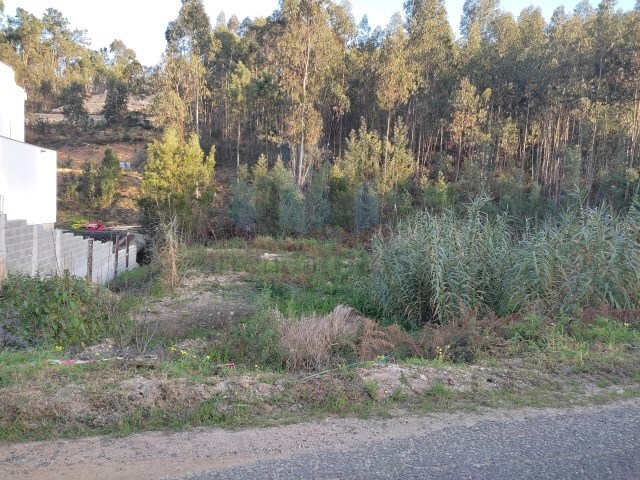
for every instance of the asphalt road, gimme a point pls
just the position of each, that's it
(592, 443)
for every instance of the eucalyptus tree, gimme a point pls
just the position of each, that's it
(431, 54)
(478, 14)
(240, 79)
(633, 86)
(305, 47)
(469, 115)
(190, 47)
(395, 79)
(361, 64)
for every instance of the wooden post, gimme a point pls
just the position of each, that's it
(126, 257)
(90, 259)
(117, 244)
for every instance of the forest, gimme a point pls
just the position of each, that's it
(526, 112)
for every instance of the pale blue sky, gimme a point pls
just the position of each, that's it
(143, 25)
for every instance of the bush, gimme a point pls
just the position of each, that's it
(72, 102)
(243, 206)
(315, 343)
(178, 181)
(54, 310)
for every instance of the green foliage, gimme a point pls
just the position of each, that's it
(585, 258)
(399, 165)
(304, 213)
(268, 182)
(70, 195)
(243, 206)
(256, 341)
(317, 208)
(99, 185)
(341, 194)
(273, 203)
(176, 168)
(72, 102)
(312, 276)
(435, 266)
(292, 207)
(115, 106)
(89, 182)
(109, 175)
(362, 157)
(53, 310)
(366, 208)
(178, 181)
(438, 195)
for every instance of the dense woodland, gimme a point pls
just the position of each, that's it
(527, 112)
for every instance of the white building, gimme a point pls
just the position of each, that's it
(27, 172)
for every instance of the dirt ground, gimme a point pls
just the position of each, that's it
(206, 301)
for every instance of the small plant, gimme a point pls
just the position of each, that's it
(438, 392)
(371, 389)
(399, 395)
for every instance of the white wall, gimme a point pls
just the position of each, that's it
(12, 99)
(27, 182)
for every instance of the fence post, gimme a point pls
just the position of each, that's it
(126, 257)
(90, 259)
(115, 269)
(3, 248)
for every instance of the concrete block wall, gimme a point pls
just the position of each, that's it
(19, 246)
(35, 250)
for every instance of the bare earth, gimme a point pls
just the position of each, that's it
(175, 455)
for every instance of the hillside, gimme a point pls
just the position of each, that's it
(76, 148)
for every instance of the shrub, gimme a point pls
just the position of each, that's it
(243, 206)
(53, 310)
(178, 181)
(315, 343)
(366, 208)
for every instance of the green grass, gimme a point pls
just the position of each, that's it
(306, 277)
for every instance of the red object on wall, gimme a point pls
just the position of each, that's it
(94, 226)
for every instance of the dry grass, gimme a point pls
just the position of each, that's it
(315, 343)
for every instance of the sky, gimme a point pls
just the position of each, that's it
(141, 24)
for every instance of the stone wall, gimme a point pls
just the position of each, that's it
(36, 250)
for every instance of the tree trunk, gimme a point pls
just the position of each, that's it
(238, 150)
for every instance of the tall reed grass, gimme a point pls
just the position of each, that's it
(431, 266)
